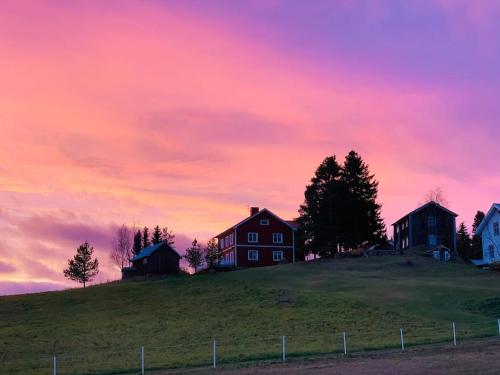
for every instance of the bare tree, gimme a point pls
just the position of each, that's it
(436, 195)
(121, 247)
(168, 236)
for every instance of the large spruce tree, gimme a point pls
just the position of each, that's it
(340, 209)
(360, 215)
(319, 215)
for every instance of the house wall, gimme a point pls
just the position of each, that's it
(401, 233)
(444, 230)
(265, 245)
(238, 249)
(489, 238)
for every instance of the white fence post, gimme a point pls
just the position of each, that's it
(345, 343)
(214, 353)
(454, 334)
(402, 340)
(283, 347)
(54, 364)
(142, 360)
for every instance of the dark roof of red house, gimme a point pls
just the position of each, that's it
(287, 222)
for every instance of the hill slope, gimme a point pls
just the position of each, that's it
(100, 330)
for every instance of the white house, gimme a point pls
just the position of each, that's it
(489, 230)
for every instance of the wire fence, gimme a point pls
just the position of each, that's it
(216, 351)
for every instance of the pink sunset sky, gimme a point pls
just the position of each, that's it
(184, 113)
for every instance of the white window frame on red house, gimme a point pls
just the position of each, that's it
(277, 237)
(253, 237)
(264, 222)
(252, 257)
(277, 258)
(222, 243)
(496, 229)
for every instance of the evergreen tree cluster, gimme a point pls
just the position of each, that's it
(340, 210)
(142, 238)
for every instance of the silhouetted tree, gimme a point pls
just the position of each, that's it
(156, 235)
(463, 242)
(319, 214)
(168, 236)
(340, 209)
(194, 255)
(477, 242)
(82, 268)
(212, 253)
(145, 238)
(137, 247)
(121, 247)
(436, 195)
(360, 211)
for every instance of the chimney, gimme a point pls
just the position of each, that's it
(254, 210)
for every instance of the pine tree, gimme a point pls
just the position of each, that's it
(82, 268)
(156, 235)
(194, 255)
(145, 238)
(463, 242)
(477, 241)
(137, 247)
(319, 213)
(167, 236)
(212, 253)
(360, 213)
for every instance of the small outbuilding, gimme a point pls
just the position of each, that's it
(158, 259)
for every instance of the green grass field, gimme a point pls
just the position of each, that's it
(100, 330)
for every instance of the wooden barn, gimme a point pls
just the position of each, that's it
(430, 225)
(159, 259)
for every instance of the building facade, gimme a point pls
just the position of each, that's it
(489, 230)
(430, 225)
(262, 239)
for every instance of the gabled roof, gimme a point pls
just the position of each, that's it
(425, 206)
(288, 223)
(495, 207)
(147, 251)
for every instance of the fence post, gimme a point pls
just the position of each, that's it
(214, 353)
(498, 322)
(54, 364)
(454, 334)
(345, 343)
(402, 340)
(283, 347)
(142, 360)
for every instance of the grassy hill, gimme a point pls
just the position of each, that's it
(100, 330)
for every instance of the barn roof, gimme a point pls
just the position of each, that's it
(425, 206)
(147, 251)
(495, 207)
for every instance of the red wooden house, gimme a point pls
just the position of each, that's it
(262, 239)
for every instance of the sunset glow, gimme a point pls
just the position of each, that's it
(184, 113)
